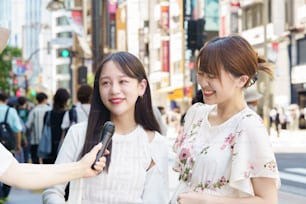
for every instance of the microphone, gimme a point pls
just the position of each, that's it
(106, 136)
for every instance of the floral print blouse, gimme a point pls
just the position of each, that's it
(221, 160)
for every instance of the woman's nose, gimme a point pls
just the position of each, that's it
(115, 87)
(202, 81)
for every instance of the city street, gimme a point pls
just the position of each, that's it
(290, 149)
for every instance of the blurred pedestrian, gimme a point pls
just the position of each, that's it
(225, 155)
(80, 111)
(252, 97)
(14, 122)
(59, 107)
(23, 112)
(160, 120)
(173, 117)
(138, 169)
(35, 123)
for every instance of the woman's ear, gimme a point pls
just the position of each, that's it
(142, 87)
(243, 80)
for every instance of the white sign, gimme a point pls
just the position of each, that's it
(298, 74)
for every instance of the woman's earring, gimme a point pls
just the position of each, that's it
(253, 79)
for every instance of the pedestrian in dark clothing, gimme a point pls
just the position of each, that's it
(60, 100)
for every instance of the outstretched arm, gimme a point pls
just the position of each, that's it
(36, 176)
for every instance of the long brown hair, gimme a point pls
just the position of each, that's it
(99, 114)
(236, 56)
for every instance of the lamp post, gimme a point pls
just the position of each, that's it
(98, 9)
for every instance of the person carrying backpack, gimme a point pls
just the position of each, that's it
(80, 111)
(14, 123)
(35, 124)
(23, 112)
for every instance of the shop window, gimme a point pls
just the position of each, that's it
(301, 49)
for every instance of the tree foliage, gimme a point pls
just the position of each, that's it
(6, 57)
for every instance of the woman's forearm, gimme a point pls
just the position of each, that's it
(35, 176)
(31, 176)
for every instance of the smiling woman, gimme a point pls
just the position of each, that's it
(224, 154)
(138, 160)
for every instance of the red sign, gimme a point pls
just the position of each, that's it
(223, 26)
(165, 56)
(164, 18)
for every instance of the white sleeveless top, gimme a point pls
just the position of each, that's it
(128, 181)
(124, 183)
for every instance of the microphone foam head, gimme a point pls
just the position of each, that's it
(109, 127)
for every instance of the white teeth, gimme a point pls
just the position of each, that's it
(208, 92)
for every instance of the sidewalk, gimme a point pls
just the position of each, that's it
(289, 141)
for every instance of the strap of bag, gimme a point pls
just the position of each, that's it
(48, 122)
(6, 114)
(84, 111)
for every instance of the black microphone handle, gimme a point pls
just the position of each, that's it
(105, 142)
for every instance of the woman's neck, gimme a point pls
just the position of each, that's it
(222, 113)
(124, 125)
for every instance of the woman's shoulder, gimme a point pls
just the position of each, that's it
(155, 137)
(251, 122)
(249, 117)
(78, 130)
(197, 112)
(79, 126)
(199, 107)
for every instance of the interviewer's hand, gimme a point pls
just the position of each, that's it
(89, 158)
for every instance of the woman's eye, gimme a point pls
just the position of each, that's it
(104, 83)
(200, 74)
(211, 76)
(123, 81)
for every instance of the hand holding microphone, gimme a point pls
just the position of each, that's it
(106, 136)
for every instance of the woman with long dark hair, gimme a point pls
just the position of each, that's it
(137, 163)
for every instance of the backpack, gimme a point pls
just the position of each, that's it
(73, 117)
(7, 136)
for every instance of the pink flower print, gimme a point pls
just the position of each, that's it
(250, 170)
(223, 181)
(179, 141)
(212, 186)
(199, 122)
(184, 154)
(228, 141)
(271, 166)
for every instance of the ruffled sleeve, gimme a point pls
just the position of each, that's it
(157, 176)
(190, 118)
(252, 156)
(193, 120)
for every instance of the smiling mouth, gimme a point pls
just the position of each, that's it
(116, 100)
(208, 93)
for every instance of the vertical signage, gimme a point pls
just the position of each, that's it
(165, 56)
(164, 23)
